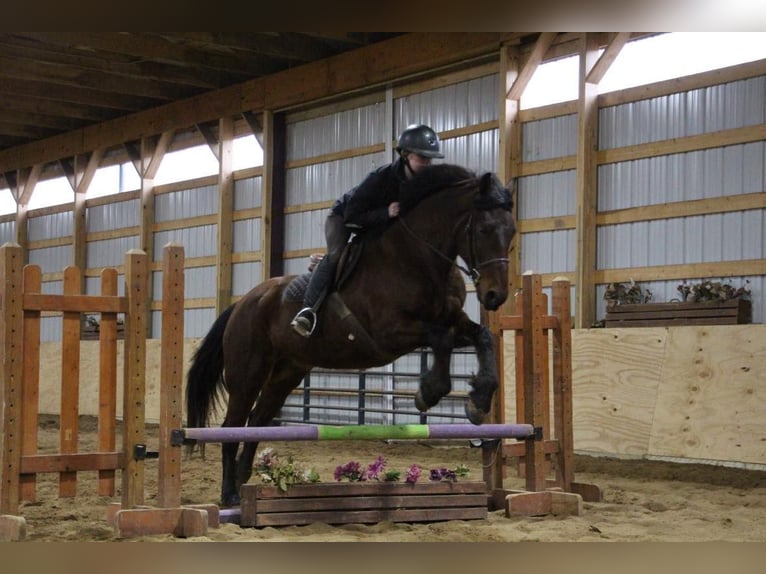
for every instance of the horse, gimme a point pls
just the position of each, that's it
(405, 293)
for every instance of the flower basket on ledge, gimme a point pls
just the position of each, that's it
(362, 502)
(729, 312)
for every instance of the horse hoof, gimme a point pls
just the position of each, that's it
(420, 404)
(230, 500)
(475, 416)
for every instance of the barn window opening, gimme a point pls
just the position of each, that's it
(645, 61)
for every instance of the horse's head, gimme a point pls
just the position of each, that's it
(485, 245)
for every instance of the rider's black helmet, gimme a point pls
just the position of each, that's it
(420, 139)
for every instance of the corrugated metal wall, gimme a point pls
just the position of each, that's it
(710, 173)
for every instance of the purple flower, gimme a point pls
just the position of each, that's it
(413, 473)
(374, 469)
(351, 471)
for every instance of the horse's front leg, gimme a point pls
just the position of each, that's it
(436, 383)
(484, 382)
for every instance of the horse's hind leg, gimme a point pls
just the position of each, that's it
(283, 379)
(244, 380)
(436, 383)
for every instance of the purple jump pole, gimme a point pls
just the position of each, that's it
(361, 432)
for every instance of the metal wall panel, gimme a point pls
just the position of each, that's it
(111, 216)
(51, 259)
(109, 252)
(548, 251)
(186, 203)
(248, 193)
(245, 276)
(477, 152)
(704, 110)
(549, 138)
(49, 226)
(7, 232)
(200, 241)
(547, 195)
(726, 171)
(450, 107)
(348, 129)
(306, 229)
(327, 181)
(712, 173)
(246, 235)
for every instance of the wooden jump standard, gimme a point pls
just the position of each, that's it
(21, 305)
(537, 456)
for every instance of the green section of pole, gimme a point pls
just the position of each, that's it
(371, 432)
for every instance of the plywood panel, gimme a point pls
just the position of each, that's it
(616, 376)
(712, 402)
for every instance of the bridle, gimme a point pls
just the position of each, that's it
(473, 267)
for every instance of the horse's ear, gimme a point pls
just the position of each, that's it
(513, 187)
(485, 185)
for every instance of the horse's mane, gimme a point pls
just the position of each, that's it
(430, 180)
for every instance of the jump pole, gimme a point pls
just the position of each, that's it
(352, 432)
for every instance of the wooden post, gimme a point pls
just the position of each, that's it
(562, 384)
(70, 381)
(134, 357)
(107, 382)
(171, 374)
(534, 389)
(11, 399)
(30, 376)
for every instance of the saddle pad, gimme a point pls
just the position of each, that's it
(297, 288)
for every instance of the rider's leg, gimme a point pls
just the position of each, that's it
(305, 321)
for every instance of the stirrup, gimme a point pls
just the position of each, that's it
(304, 322)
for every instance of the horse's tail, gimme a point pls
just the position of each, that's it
(205, 377)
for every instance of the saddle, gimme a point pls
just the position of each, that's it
(349, 258)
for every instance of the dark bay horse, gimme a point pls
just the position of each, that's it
(406, 292)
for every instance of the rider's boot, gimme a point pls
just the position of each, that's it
(305, 320)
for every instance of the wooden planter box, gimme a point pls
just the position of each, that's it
(731, 312)
(362, 502)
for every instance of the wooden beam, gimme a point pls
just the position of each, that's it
(83, 179)
(608, 57)
(365, 69)
(27, 183)
(534, 59)
(149, 170)
(587, 188)
(224, 218)
(256, 126)
(211, 138)
(267, 190)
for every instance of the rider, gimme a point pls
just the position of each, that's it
(370, 204)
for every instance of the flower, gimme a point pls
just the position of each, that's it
(413, 473)
(271, 470)
(351, 471)
(374, 469)
(449, 474)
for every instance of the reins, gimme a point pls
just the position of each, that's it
(473, 270)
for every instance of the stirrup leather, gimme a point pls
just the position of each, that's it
(300, 322)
